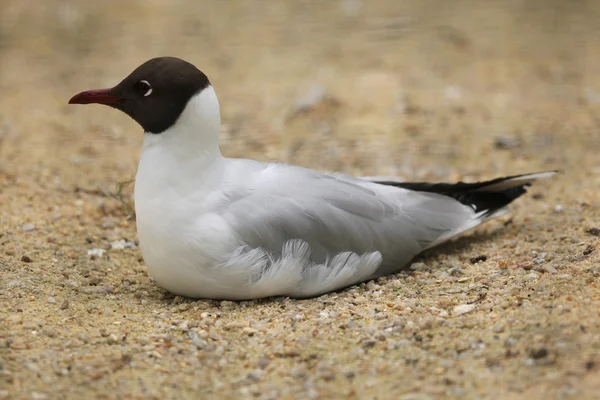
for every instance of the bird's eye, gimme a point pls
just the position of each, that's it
(143, 87)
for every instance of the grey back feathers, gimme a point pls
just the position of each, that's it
(328, 221)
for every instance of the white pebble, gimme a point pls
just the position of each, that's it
(463, 309)
(96, 252)
(122, 244)
(531, 277)
(298, 317)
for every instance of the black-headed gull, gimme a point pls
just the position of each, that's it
(222, 228)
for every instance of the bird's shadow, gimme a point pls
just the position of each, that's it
(459, 245)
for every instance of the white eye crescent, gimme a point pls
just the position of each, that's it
(149, 91)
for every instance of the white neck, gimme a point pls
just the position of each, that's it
(180, 156)
(196, 130)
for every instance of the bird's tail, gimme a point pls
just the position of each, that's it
(488, 199)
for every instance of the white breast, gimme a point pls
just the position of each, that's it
(177, 186)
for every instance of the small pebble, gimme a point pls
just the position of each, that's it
(538, 352)
(372, 286)
(256, 375)
(590, 365)
(418, 267)
(249, 331)
(506, 142)
(463, 309)
(566, 277)
(594, 231)
(51, 300)
(96, 252)
(263, 363)
(112, 339)
(526, 265)
(50, 333)
(232, 326)
(368, 343)
(298, 372)
(203, 334)
(481, 258)
(197, 341)
(26, 259)
(64, 305)
(510, 342)
(298, 317)
(350, 374)
(381, 315)
(540, 258)
(72, 283)
(531, 276)
(28, 227)
(549, 269)
(453, 92)
(122, 244)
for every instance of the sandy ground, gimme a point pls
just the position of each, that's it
(428, 90)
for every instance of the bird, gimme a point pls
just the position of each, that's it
(237, 229)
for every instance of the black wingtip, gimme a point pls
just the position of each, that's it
(485, 197)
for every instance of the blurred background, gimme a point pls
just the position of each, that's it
(422, 89)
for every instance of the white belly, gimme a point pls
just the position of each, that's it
(179, 260)
(183, 242)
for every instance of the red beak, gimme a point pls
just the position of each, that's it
(99, 96)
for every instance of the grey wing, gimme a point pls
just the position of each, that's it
(318, 232)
